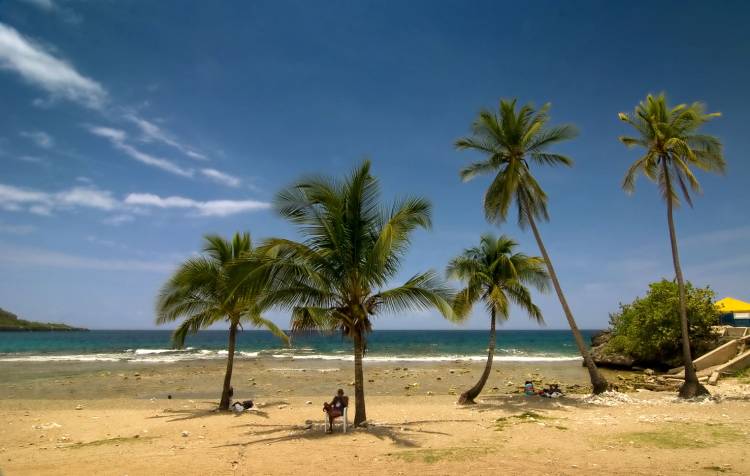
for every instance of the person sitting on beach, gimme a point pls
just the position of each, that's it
(239, 407)
(528, 388)
(553, 391)
(336, 407)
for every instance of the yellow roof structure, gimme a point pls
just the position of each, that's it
(729, 304)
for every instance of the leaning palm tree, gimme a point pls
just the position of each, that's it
(335, 279)
(202, 293)
(672, 143)
(495, 274)
(513, 140)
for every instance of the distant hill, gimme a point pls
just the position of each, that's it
(11, 322)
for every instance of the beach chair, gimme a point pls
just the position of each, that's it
(343, 417)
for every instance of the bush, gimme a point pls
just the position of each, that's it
(648, 329)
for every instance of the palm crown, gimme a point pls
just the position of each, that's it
(498, 276)
(334, 279)
(511, 139)
(202, 291)
(672, 145)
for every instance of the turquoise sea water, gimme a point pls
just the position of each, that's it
(413, 345)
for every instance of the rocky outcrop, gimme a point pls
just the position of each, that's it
(604, 357)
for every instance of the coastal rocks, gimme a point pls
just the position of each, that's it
(185, 433)
(604, 357)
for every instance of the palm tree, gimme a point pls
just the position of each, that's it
(202, 293)
(334, 280)
(495, 274)
(512, 140)
(672, 143)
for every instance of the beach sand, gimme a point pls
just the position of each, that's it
(115, 418)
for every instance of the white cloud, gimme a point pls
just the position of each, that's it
(221, 177)
(207, 208)
(117, 138)
(28, 256)
(152, 132)
(39, 67)
(42, 203)
(14, 198)
(88, 197)
(52, 7)
(16, 229)
(40, 138)
(115, 135)
(118, 220)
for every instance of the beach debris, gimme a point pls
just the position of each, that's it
(649, 372)
(309, 402)
(281, 407)
(169, 397)
(610, 398)
(47, 426)
(429, 394)
(185, 433)
(79, 407)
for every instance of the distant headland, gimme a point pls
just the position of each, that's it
(9, 322)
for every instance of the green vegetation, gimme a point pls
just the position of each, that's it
(203, 292)
(496, 275)
(648, 329)
(334, 280)
(512, 140)
(672, 146)
(684, 435)
(526, 417)
(430, 455)
(11, 322)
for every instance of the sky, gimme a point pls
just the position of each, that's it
(130, 129)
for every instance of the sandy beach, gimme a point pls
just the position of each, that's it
(117, 419)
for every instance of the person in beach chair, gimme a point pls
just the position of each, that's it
(335, 409)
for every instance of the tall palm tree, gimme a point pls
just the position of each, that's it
(673, 145)
(513, 140)
(202, 293)
(335, 279)
(495, 274)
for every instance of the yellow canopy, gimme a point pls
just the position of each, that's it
(729, 304)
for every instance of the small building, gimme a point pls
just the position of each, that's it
(734, 312)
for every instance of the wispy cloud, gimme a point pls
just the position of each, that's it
(29, 256)
(52, 7)
(207, 208)
(14, 198)
(39, 67)
(118, 139)
(718, 237)
(221, 177)
(40, 138)
(152, 132)
(42, 203)
(16, 229)
(119, 219)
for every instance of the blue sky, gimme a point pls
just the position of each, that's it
(130, 129)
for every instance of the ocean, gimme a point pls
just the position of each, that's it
(153, 346)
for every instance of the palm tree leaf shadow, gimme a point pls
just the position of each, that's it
(515, 404)
(188, 414)
(385, 431)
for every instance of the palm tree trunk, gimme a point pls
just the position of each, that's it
(692, 387)
(225, 396)
(360, 414)
(468, 396)
(598, 383)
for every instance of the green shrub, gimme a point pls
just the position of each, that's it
(648, 329)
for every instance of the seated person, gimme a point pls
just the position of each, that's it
(528, 388)
(336, 407)
(239, 407)
(553, 391)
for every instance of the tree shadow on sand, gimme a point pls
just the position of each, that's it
(402, 434)
(515, 403)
